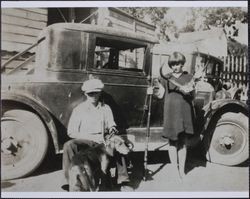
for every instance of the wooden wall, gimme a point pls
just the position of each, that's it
(21, 26)
(119, 19)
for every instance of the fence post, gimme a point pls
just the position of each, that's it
(237, 71)
(240, 72)
(245, 70)
(228, 68)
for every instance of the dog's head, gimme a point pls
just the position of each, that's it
(118, 144)
(81, 177)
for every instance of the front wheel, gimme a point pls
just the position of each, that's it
(24, 143)
(228, 143)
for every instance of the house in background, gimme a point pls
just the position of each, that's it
(21, 26)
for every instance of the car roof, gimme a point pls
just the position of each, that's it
(102, 30)
(208, 56)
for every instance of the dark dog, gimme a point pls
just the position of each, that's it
(90, 169)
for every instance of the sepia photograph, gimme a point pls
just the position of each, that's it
(124, 99)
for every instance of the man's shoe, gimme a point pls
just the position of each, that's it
(65, 187)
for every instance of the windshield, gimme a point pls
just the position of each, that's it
(210, 66)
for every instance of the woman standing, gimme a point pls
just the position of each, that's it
(177, 89)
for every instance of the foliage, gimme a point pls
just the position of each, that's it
(224, 16)
(153, 15)
(236, 49)
(219, 17)
(214, 17)
(201, 19)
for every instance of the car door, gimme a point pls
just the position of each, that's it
(121, 65)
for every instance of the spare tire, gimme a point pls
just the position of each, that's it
(24, 143)
(228, 142)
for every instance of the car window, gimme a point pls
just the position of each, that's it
(199, 63)
(69, 50)
(210, 68)
(213, 68)
(118, 55)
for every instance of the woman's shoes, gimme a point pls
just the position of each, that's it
(182, 174)
(126, 187)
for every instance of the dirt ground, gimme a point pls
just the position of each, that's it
(201, 176)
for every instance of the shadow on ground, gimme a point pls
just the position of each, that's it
(138, 174)
(50, 164)
(6, 184)
(195, 158)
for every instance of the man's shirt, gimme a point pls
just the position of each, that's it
(89, 122)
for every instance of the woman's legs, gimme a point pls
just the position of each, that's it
(182, 155)
(173, 154)
(178, 154)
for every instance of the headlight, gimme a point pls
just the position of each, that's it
(222, 94)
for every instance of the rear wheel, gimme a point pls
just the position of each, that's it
(228, 144)
(24, 143)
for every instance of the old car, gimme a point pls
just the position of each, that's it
(225, 117)
(36, 107)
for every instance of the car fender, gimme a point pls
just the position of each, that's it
(216, 106)
(39, 108)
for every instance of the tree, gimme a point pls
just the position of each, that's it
(224, 16)
(229, 19)
(154, 16)
(199, 19)
(236, 49)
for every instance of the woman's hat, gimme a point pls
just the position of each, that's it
(92, 85)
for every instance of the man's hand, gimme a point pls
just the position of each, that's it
(112, 172)
(113, 130)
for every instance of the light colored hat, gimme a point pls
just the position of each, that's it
(92, 85)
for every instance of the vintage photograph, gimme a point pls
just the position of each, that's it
(136, 98)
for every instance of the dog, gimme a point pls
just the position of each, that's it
(90, 169)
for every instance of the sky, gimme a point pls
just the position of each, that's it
(179, 16)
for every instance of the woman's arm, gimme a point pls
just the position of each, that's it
(188, 88)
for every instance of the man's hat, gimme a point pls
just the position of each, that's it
(92, 85)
